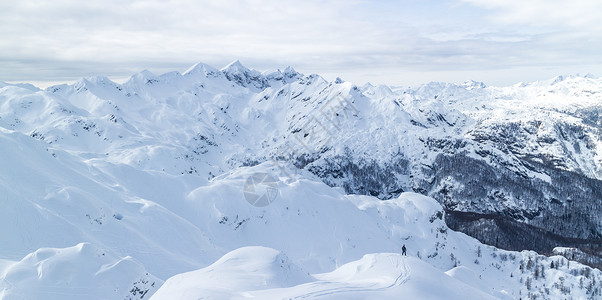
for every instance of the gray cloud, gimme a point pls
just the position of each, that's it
(394, 42)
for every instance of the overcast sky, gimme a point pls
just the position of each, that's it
(499, 42)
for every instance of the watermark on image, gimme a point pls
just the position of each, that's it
(312, 136)
(261, 189)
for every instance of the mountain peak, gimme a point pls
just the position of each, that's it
(28, 86)
(558, 79)
(589, 75)
(289, 70)
(471, 84)
(93, 81)
(201, 68)
(235, 65)
(144, 74)
(244, 76)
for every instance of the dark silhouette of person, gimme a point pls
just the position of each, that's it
(403, 250)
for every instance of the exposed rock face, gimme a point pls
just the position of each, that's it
(526, 158)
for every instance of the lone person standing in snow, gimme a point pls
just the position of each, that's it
(403, 250)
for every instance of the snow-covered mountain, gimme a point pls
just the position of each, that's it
(109, 190)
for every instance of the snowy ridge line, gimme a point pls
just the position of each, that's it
(126, 189)
(404, 276)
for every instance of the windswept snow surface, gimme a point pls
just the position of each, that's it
(374, 276)
(133, 190)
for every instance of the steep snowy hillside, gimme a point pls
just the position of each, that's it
(109, 189)
(328, 245)
(525, 157)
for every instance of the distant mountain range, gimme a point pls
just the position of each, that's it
(145, 179)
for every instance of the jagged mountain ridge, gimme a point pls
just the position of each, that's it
(529, 153)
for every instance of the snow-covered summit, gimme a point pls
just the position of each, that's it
(201, 68)
(235, 66)
(150, 176)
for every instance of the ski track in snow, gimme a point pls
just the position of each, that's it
(404, 276)
(110, 191)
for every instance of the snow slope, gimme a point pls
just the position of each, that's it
(374, 276)
(109, 190)
(79, 272)
(315, 228)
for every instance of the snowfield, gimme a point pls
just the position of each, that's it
(142, 189)
(374, 276)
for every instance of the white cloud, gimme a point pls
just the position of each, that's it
(64, 39)
(582, 14)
